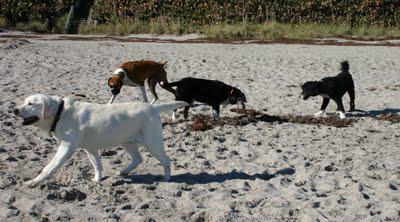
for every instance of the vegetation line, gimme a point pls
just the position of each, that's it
(225, 31)
(244, 30)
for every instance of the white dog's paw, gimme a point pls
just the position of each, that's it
(31, 183)
(319, 113)
(215, 114)
(96, 179)
(342, 115)
(174, 116)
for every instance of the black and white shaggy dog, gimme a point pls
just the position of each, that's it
(211, 92)
(332, 88)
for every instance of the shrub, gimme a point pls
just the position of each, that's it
(24, 11)
(205, 12)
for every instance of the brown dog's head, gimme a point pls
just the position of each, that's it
(116, 81)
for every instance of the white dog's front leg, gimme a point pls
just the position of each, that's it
(143, 91)
(65, 150)
(96, 163)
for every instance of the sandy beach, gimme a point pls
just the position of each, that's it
(257, 172)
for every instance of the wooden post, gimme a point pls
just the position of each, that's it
(69, 18)
(89, 19)
(244, 11)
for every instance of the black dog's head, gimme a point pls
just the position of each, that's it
(311, 88)
(237, 97)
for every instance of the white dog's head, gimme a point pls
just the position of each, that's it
(37, 108)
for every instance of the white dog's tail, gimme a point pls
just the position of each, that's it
(169, 106)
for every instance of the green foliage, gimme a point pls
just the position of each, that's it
(33, 26)
(60, 24)
(274, 31)
(135, 26)
(242, 30)
(3, 23)
(206, 12)
(25, 11)
(232, 31)
(224, 19)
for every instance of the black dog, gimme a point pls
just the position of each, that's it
(210, 92)
(332, 88)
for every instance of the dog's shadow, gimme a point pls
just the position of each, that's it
(373, 113)
(202, 178)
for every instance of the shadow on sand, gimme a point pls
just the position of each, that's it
(373, 113)
(202, 178)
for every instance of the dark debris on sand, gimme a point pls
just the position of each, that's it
(394, 118)
(205, 122)
(201, 122)
(327, 121)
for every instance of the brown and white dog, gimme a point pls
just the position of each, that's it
(134, 73)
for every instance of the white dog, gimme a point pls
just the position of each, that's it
(95, 126)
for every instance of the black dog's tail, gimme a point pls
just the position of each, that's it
(344, 66)
(171, 84)
(168, 86)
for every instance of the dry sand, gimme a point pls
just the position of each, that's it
(258, 172)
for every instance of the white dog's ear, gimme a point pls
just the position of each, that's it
(46, 109)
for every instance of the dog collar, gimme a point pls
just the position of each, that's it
(57, 117)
